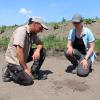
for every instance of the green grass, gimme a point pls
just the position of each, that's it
(4, 42)
(51, 42)
(97, 45)
(57, 43)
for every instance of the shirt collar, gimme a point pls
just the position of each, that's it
(27, 28)
(83, 31)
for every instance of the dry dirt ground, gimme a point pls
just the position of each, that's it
(59, 85)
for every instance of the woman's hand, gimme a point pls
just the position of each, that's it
(70, 51)
(84, 63)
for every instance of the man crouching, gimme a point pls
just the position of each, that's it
(20, 52)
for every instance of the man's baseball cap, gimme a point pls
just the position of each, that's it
(39, 20)
(77, 18)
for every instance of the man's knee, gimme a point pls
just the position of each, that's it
(43, 52)
(22, 78)
(28, 82)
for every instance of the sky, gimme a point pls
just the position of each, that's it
(18, 11)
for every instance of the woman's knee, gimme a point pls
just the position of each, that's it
(67, 55)
(82, 72)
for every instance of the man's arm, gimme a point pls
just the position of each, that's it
(20, 56)
(36, 54)
(39, 43)
(39, 46)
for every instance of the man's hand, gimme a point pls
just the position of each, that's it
(70, 51)
(36, 55)
(84, 63)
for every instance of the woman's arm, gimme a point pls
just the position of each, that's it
(90, 51)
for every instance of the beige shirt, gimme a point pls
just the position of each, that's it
(23, 38)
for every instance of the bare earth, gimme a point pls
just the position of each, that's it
(59, 85)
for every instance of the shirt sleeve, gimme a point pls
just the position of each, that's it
(71, 35)
(91, 37)
(19, 37)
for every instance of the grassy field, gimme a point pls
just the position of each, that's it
(51, 42)
(97, 45)
(55, 40)
(4, 42)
